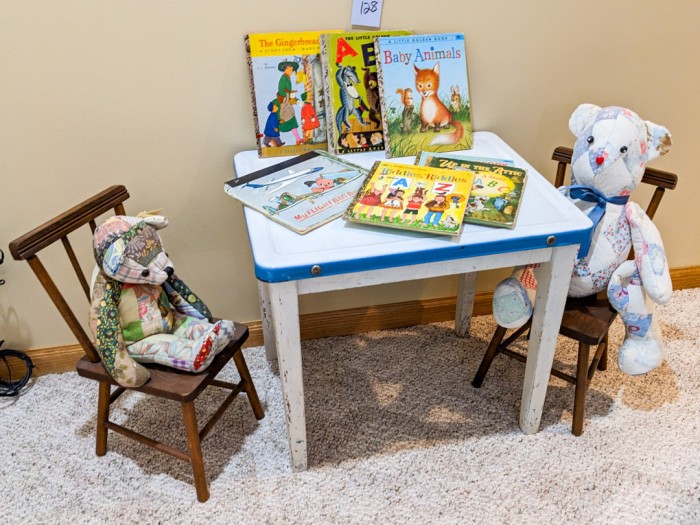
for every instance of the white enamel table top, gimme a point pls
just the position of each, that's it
(340, 247)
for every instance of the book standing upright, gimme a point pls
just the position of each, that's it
(286, 88)
(352, 91)
(424, 93)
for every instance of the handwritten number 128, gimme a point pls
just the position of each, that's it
(368, 7)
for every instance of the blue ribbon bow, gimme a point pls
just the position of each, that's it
(585, 193)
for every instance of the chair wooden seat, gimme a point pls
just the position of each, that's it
(585, 320)
(167, 383)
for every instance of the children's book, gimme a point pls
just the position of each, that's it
(424, 93)
(494, 199)
(302, 193)
(423, 155)
(287, 91)
(352, 91)
(417, 198)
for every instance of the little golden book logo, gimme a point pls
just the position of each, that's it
(270, 44)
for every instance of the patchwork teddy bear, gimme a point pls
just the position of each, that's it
(613, 145)
(140, 311)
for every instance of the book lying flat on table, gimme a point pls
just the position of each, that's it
(424, 93)
(352, 91)
(287, 92)
(417, 198)
(302, 193)
(494, 199)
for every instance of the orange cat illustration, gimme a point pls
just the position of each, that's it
(433, 112)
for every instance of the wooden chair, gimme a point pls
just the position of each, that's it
(165, 382)
(586, 320)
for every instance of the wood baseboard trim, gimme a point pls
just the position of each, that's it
(685, 277)
(49, 360)
(59, 359)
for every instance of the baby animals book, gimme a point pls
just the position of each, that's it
(417, 198)
(301, 193)
(497, 190)
(286, 88)
(352, 91)
(424, 93)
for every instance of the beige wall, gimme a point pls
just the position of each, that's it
(154, 94)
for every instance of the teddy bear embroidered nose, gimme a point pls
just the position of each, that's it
(599, 160)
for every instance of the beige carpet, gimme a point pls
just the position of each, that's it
(396, 434)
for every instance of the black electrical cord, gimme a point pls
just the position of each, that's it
(12, 387)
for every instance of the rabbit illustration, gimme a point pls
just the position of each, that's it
(455, 98)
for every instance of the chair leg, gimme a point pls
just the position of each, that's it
(581, 388)
(489, 356)
(249, 385)
(195, 446)
(603, 363)
(102, 418)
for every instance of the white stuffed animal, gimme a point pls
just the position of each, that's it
(613, 145)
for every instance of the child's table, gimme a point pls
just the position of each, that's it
(341, 255)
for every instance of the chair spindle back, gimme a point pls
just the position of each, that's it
(27, 247)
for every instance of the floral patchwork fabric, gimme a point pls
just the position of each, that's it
(144, 310)
(619, 236)
(192, 346)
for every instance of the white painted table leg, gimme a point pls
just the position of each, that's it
(267, 321)
(284, 305)
(552, 284)
(466, 290)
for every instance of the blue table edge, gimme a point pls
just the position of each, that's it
(534, 242)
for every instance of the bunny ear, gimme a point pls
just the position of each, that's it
(189, 304)
(109, 340)
(659, 140)
(582, 117)
(107, 330)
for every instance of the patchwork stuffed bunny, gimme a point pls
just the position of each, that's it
(613, 145)
(141, 312)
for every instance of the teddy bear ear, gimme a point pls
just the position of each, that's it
(659, 140)
(582, 117)
(113, 257)
(154, 219)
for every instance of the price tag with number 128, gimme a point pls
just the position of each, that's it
(366, 13)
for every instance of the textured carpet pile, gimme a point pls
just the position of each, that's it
(396, 434)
